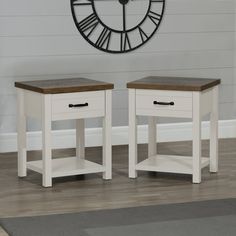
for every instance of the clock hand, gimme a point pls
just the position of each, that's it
(108, 0)
(124, 18)
(123, 3)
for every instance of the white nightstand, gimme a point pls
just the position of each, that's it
(173, 97)
(64, 99)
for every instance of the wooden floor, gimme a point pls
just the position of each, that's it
(26, 197)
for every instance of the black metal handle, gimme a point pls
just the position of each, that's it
(78, 105)
(164, 103)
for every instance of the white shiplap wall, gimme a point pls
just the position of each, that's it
(38, 40)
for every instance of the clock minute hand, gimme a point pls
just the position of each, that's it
(123, 3)
(124, 18)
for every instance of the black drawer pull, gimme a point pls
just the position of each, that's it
(164, 103)
(78, 105)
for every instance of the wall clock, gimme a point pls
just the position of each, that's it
(117, 26)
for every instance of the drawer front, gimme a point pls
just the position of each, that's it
(164, 103)
(78, 105)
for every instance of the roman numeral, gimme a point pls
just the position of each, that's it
(143, 35)
(81, 3)
(89, 23)
(104, 38)
(124, 42)
(154, 17)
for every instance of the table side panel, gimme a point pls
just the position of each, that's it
(206, 101)
(33, 104)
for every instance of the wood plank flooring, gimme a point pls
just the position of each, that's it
(26, 197)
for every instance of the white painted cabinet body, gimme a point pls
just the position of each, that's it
(63, 106)
(169, 103)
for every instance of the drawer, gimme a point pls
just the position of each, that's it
(78, 105)
(164, 103)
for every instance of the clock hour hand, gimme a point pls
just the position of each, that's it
(123, 3)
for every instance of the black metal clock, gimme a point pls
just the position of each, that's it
(117, 26)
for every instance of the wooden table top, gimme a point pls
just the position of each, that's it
(173, 83)
(69, 85)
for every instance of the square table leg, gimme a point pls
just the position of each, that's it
(214, 132)
(152, 136)
(132, 135)
(21, 137)
(46, 140)
(107, 124)
(80, 137)
(197, 150)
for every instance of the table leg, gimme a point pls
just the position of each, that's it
(196, 138)
(46, 140)
(21, 137)
(132, 135)
(107, 148)
(80, 137)
(152, 136)
(214, 132)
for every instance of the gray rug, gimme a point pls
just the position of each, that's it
(205, 218)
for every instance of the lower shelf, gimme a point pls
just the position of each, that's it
(67, 167)
(170, 164)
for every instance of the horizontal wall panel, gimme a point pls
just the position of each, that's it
(34, 7)
(227, 111)
(8, 105)
(227, 93)
(115, 63)
(69, 45)
(7, 124)
(200, 6)
(37, 26)
(48, 25)
(62, 7)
